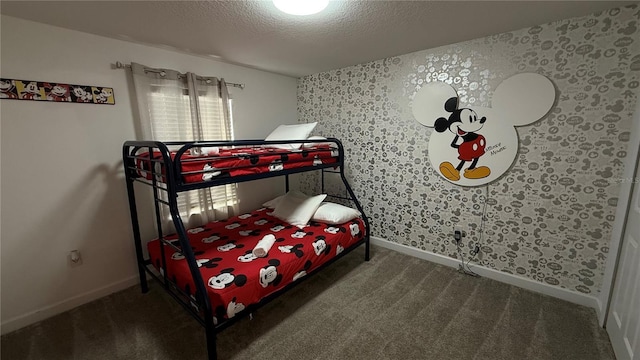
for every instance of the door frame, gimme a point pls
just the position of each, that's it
(624, 202)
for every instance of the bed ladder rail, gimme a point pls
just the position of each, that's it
(202, 300)
(350, 196)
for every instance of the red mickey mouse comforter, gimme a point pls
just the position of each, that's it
(241, 161)
(234, 277)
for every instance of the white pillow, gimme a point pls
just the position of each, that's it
(297, 208)
(271, 204)
(332, 213)
(308, 145)
(290, 132)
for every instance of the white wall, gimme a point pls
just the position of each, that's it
(62, 183)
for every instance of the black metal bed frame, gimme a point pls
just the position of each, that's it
(173, 184)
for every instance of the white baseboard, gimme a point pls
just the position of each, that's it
(599, 310)
(554, 291)
(65, 305)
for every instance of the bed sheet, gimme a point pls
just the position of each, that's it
(234, 278)
(240, 161)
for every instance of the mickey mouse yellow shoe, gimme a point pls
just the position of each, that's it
(477, 173)
(450, 172)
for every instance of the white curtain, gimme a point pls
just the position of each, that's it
(186, 107)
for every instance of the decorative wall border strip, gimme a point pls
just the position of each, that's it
(56, 92)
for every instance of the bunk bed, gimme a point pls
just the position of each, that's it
(210, 269)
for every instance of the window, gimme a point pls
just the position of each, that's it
(171, 120)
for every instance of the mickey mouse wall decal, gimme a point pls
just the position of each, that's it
(463, 123)
(55, 92)
(481, 143)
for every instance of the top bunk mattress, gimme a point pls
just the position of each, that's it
(232, 162)
(234, 278)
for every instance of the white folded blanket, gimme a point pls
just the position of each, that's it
(263, 246)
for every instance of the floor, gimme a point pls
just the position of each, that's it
(392, 307)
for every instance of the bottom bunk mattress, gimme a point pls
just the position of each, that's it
(234, 277)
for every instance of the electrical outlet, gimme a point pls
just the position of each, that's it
(74, 258)
(458, 233)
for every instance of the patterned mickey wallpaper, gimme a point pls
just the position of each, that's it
(550, 217)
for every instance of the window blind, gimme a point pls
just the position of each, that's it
(170, 114)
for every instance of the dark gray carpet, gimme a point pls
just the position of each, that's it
(393, 307)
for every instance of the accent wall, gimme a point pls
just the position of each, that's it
(549, 217)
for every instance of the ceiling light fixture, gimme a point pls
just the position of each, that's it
(301, 7)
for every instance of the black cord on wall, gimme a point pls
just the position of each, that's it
(464, 267)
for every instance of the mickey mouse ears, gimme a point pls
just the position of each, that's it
(519, 100)
(523, 98)
(428, 103)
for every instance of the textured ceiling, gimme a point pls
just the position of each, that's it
(255, 34)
